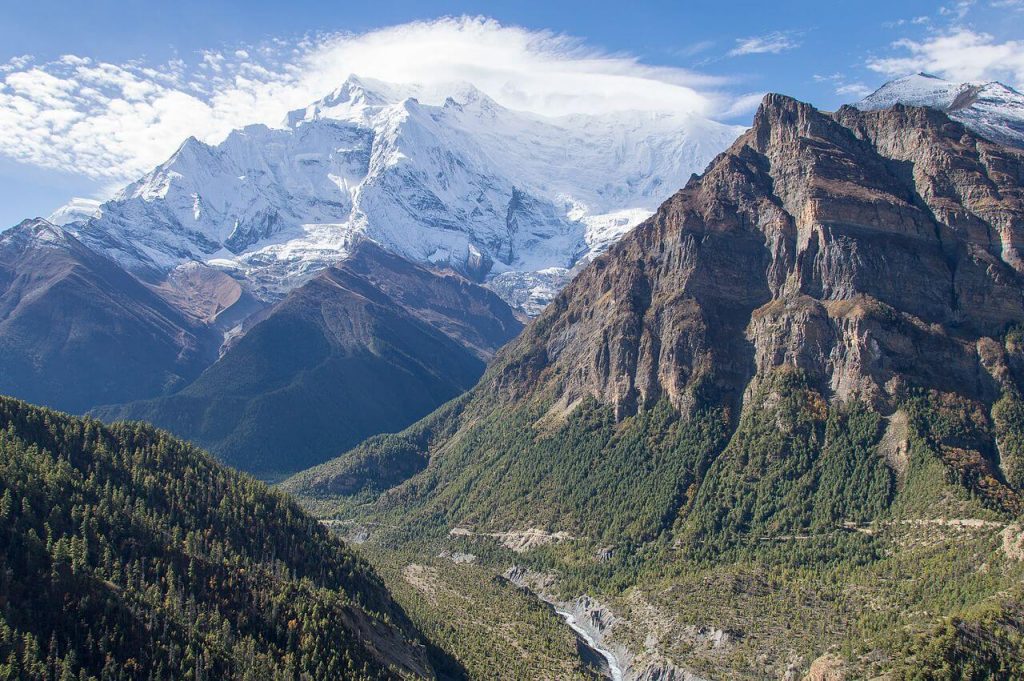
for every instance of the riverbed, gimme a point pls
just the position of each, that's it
(613, 664)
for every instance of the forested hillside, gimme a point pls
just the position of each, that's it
(128, 554)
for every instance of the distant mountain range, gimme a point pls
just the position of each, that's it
(365, 347)
(244, 295)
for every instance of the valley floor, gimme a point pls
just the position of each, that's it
(850, 568)
(935, 589)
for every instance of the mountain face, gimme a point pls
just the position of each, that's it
(873, 251)
(129, 554)
(461, 182)
(992, 110)
(795, 384)
(870, 250)
(76, 330)
(368, 346)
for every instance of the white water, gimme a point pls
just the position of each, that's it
(613, 664)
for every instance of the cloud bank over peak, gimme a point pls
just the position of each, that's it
(116, 121)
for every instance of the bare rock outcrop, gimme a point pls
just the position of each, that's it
(873, 250)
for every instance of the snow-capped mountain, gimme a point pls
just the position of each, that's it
(992, 110)
(75, 210)
(445, 176)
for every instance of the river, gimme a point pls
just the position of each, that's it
(613, 664)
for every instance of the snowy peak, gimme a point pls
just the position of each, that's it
(35, 232)
(360, 99)
(993, 110)
(36, 227)
(919, 89)
(76, 210)
(441, 175)
(362, 91)
(356, 99)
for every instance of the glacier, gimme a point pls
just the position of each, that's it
(441, 175)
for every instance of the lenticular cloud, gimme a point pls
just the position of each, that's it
(115, 121)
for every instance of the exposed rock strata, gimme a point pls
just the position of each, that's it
(873, 250)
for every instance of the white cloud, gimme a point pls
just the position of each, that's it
(694, 48)
(960, 55)
(15, 63)
(744, 104)
(115, 121)
(858, 90)
(770, 43)
(532, 70)
(958, 10)
(842, 86)
(916, 21)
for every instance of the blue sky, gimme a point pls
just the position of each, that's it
(92, 94)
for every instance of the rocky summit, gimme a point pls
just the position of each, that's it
(872, 250)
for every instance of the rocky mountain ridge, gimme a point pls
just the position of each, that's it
(857, 247)
(796, 384)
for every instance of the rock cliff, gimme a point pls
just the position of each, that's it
(873, 250)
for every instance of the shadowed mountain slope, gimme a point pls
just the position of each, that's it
(366, 347)
(76, 330)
